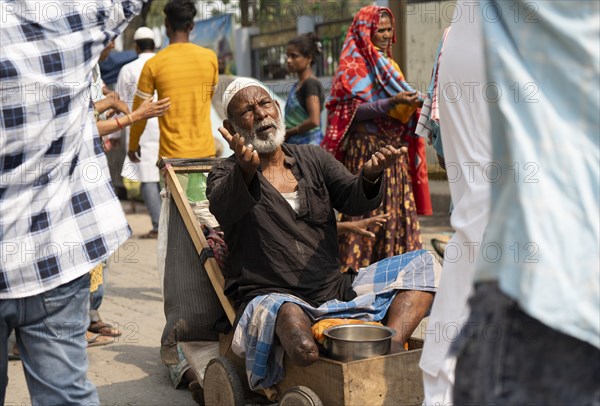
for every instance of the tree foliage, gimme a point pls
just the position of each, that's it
(155, 17)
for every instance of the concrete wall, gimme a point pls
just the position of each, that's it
(243, 52)
(425, 24)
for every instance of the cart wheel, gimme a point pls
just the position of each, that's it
(300, 396)
(222, 385)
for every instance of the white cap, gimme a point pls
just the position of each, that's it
(143, 33)
(237, 85)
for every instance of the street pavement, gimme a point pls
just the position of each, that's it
(129, 371)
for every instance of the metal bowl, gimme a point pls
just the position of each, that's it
(357, 341)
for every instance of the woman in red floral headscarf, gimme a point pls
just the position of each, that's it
(372, 105)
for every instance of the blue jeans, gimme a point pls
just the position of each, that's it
(506, 357)
(50, 330)
(151, 195)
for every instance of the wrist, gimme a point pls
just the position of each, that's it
(372, 178)
(294, 131)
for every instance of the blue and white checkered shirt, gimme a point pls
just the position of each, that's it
(59, 215)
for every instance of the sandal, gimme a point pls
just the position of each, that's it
(150, 235)
(96, 340)
(438, 246)
(105, 329)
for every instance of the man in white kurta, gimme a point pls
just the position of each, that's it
(146, 170)
(465, 132)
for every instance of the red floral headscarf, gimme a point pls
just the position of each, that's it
(363, 75)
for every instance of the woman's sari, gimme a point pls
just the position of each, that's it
(295, 115)
(367, 75)
(364, 75)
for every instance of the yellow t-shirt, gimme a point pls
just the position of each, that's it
(187, 74)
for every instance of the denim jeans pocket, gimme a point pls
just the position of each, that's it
(67, 306)
(61, 295)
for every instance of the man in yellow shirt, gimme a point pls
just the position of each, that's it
(187, 74)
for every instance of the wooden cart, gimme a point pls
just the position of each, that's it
(393, 379)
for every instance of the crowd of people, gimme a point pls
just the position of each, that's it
(320, 220)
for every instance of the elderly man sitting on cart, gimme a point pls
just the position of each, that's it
(275, 203)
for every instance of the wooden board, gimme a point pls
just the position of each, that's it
(192, 169)
(393, 379)
(198, 354)
(390, 380)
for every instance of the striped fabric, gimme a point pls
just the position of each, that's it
(191, 305)
(429, 121)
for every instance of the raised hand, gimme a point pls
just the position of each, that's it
(360, 227)
(149, 109)
(246, 156)
(384, 158)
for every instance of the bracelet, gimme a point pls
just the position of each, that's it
(119, 124)
(130, 119)
(96, 114)
(372, 182)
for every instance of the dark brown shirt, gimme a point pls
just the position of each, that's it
(274, 249)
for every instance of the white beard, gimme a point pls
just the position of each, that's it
(264, 146)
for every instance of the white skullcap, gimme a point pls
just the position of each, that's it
(237, 85)
(143, 33)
